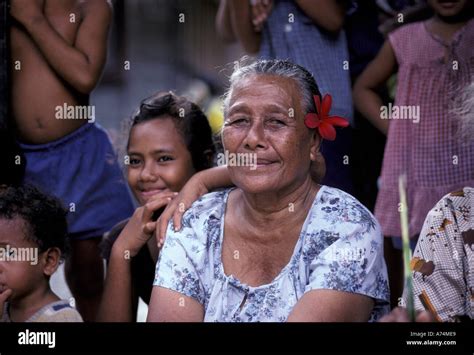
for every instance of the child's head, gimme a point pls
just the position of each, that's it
(170, 139)
(452, 10)
(33, 237)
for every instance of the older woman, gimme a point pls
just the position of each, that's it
(277, 246)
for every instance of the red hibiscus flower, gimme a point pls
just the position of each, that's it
(321, 119)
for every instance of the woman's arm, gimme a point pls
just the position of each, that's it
(171, 306)
(366, 98)
(332, 306)
(327, 14)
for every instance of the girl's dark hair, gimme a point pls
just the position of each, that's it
(189, 119)
(44, 216)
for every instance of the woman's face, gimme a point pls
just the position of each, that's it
(159, 159)
(265, 118)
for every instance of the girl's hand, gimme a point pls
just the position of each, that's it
(260, 10)
(140, 227)
(194, 188)
(3, 298)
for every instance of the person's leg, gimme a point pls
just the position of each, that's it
(393, 253)
(84, 271)
(394, 261)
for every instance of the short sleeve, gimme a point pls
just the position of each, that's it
(398, 39)
(176, 268)
(437, 264)
(354, 263)
(348, 253)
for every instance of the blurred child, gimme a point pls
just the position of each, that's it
(309, 33)
(434, 59)
(33, 236)
(58, 51)
(170, 139)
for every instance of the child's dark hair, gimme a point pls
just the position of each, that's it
(44, 216)
(189, 119)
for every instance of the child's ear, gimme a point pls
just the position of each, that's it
(51, 259)
(315, 145)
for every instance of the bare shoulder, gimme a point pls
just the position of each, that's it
(96, 8)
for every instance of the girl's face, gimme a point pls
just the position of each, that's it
(449, 8)
(159, 159)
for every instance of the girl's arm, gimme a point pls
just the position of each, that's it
(118, 300)
(203, 182)
(327, 14)
(366, 98)
(199, 184)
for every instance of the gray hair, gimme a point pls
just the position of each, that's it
(276, 67)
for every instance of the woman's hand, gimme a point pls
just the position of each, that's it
(400, 315)
(3, 298)
(140, 227)
(194, 188)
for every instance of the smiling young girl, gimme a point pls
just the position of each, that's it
(170, 139)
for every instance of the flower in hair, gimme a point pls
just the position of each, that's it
(321, 119)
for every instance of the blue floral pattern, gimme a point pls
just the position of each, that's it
(340, 248)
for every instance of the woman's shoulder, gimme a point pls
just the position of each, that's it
(341, 214)
(205, 213)
(340, 200)
(209, 203)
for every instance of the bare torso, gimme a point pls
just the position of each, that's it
(36, 88)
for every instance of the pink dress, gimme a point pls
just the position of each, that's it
(436, 161)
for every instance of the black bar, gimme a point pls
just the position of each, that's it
(4, 69)
(224, 337)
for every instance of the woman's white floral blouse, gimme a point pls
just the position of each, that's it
(340, 248)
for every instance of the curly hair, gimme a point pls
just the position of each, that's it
(44, 216)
